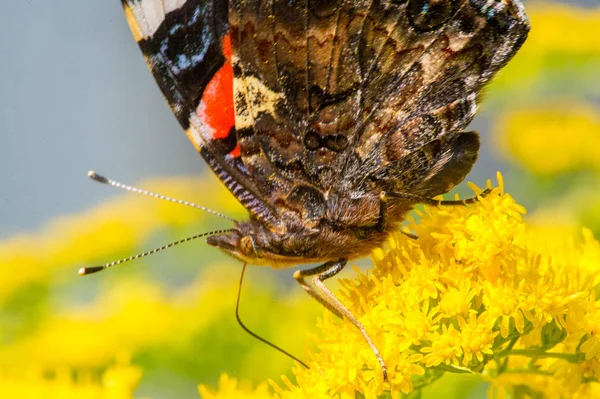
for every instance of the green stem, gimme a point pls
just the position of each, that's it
(428, 381)
(589, 379)
(528, 371)
(451, 369)
(536, 354)
(509, 347)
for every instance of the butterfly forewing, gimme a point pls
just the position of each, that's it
(187, 47)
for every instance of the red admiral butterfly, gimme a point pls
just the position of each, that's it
(327, 119)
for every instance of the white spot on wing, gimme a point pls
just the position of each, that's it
(250, 94)
(197, 119)
(171, 5)
(151, 13)
(199, 132)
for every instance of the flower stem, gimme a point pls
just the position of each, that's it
(527, 371)
(570, 357)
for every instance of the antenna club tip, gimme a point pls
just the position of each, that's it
(89, 270)
(99, 178)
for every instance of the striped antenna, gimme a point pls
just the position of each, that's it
(105, 180)
(95, 269)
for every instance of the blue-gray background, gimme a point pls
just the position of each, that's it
(76, 95)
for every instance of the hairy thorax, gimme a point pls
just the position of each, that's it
(347, 229)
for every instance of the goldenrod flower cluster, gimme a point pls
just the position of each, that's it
(478, 292)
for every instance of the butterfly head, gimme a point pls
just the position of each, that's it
(242, 242)
(256, 244)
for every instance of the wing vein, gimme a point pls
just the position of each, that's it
(306, 60)
(334, 46)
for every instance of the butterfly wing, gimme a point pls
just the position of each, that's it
(367, 95)
(290, 100)
(187, 47)
(412, 137)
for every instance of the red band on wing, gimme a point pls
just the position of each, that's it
(216, 107)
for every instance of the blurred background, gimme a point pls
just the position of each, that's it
(76, 95)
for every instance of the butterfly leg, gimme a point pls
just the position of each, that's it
(329, 267)
(430, 201)
(382, 223)
(325, 297)
(410, 235)
(463, 202)
(383, 203)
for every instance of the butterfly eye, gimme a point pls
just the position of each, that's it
(247, 247)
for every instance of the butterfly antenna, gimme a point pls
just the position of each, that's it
(261, 339)
(105, 180)
(95, 269)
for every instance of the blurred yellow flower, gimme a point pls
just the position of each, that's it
(558, 26)
(118, 382)
(562, 36)
(526, 316)
(479, 292)
(552, 139)
(229, 388)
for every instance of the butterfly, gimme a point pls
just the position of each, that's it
(328, 120)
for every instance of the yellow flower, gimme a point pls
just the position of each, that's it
(591, 345)
(457, 300)
(553, 139)
(118, 382)
(478, 292)
(502, 301)
(445, 347)
(230, 388)
(477, 338)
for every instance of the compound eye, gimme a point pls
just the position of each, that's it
(248, 248)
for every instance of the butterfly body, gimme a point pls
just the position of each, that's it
(347, 229)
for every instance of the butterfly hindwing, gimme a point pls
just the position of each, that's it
(435, 100)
